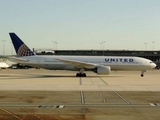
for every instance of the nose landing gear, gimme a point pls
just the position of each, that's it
(142, 73)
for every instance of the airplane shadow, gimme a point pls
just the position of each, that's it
(72, 76)
(33, 76)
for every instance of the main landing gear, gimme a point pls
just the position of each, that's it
(81, 73)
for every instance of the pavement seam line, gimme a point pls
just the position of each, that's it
(103, 81)
(80, 81)
(121, 97)
(10, 113)
(82, 97)
(32, 113)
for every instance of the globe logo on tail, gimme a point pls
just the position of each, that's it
(24, 51)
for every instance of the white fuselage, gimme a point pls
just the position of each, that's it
(116, 63)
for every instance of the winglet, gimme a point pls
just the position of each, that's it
(20, 48)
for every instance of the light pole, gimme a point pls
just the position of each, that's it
(153, 44)
(56, 45)
(103, 42)
(3, 46)
(11, 48)
(101, 45)
(53, 45)
(145, 46)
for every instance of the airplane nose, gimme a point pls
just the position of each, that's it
(153, 65)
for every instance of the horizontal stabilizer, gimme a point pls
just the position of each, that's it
(15, 59)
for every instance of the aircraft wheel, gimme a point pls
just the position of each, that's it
(84, 74)
(142, 75)
(81, 75)
(77, 75)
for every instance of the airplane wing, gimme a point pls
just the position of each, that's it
(78, 64)
(16, 59)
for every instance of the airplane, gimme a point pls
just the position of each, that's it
(97, 64)
(3, 65)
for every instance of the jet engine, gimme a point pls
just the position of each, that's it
(102, 70)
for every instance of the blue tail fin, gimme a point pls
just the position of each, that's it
(20, 48)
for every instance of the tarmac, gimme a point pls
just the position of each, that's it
(37, 94)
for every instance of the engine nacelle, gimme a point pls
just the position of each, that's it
(103, 70)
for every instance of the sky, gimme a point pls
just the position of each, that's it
(81, 24)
